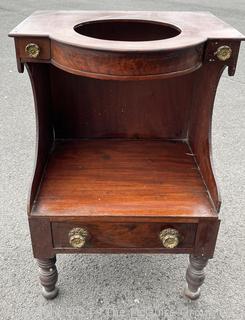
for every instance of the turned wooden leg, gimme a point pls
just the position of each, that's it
(48, 276)
(195, 276)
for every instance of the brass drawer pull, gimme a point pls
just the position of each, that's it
(223, 53)
(78, 237)
(33, 50)
(170, 238)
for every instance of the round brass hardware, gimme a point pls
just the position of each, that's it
(223, 53)
(33, 50)
(77, 237)
(170, 238)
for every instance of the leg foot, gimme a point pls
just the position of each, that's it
(195, 276)
(48, 276)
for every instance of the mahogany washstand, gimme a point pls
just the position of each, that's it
(123, 105)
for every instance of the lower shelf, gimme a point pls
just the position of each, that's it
(122, 178)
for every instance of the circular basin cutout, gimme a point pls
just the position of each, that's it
(127, 30)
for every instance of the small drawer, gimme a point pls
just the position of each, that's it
(123, 235)
(34, 48)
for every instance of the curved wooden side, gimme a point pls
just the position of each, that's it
(199, 135)
(126, 65)
(39, 77)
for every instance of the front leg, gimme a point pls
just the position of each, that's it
(195, 276)
(48, 276)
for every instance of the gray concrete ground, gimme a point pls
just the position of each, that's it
(118, 286)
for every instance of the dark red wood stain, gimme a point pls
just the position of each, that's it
(123, 178)
(124, 130)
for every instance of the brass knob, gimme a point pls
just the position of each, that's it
(170, 238)
(223, 53)
(77, 237)
(33, 50)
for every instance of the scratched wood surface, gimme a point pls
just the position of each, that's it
(116, 177)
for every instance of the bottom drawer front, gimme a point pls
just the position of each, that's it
(119, 235)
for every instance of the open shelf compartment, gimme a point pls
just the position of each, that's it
(122, 148)
(116, 177)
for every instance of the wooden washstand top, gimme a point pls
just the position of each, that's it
(191, 28)
(123, 45)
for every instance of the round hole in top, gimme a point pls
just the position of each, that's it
(127, 30)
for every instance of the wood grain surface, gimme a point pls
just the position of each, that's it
(195, 27)
(122, 235)
(123, 45)
(91, 108)
(122, 178)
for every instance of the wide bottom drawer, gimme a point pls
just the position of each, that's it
(79, 236)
